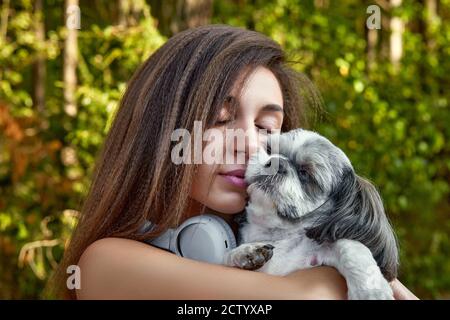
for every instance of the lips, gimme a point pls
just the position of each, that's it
(240, 173)
(235, 177)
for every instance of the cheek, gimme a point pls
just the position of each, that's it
(203, 180)
(210, 190)
(206, 173)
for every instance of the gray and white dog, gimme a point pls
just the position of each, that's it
(314, 210)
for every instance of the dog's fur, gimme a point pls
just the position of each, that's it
(312, 209)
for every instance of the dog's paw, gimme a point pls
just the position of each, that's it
(251, 256)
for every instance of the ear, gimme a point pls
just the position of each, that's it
(355, 211)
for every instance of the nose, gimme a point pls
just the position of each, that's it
(252, 141)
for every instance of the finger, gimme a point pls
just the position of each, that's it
(401, 292)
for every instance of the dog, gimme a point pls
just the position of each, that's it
(312, 210)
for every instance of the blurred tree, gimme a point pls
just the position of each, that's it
(39, 68)
(176, 15)
(71, 57)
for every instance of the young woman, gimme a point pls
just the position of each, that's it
(227, 78)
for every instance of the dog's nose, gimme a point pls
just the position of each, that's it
(268, 163)
(277, 164)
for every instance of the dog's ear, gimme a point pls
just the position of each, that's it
(355, 211)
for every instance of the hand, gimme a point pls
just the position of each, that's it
(401, 292)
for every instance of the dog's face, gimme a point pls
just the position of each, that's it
(297, 172)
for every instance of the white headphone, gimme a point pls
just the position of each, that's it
(205, 238)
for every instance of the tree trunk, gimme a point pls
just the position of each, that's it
(372, 41)
(177, 15)
(4, 19)
(396, 40)
(39, 67)
(432, 14)
(123, 7)
(70, 66)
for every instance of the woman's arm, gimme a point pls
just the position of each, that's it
(114, 268)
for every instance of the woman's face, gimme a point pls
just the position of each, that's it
(221, 187)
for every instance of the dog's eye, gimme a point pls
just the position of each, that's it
(304, 171)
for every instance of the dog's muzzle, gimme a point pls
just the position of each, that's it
(276, 164)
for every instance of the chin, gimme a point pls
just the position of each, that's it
(227, 202)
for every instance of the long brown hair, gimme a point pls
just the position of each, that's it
(185, 80)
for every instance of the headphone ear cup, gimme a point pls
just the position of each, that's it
(227, 229)
(204, 238)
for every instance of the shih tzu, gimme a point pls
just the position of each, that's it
(314, 210)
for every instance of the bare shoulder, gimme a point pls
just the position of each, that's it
(108, 263)
(105, 247)
(111, 252)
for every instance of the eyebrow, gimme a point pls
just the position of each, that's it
(273, 107)
(270, 107)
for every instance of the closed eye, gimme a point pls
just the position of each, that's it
(269, 131)
(223, 122)
(303, 175)
(304, 172)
